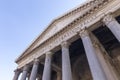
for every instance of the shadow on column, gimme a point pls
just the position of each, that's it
(80, 67)
(111, 45)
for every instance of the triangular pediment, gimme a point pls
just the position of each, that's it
(58, 24)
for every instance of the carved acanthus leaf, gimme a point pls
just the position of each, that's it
(108, 18)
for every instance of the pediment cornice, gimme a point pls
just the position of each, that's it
(97, 4)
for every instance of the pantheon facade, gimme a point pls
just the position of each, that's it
(82, 44)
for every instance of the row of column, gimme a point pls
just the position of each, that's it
(95, 62)
(113, 25)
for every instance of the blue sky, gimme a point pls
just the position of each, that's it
(20, 22)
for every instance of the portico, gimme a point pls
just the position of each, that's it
(87, 48)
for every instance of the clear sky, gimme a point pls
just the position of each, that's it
(20, 22)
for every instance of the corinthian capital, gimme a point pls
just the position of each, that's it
(65, 44)
(36, 61)
(26, 67)
(17, 71)
(83, 33)
(49, 54)
(108, 18)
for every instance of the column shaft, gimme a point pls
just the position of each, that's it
(34, 70)
(17, 73)
(66, 66)
(47, 67)
(25, 72)
(95, 67)
(110, 74)
(113, 25)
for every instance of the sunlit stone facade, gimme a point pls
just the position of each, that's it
(83, 44)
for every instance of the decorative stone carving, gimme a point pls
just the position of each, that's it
(26, 67)
(83, 32)
(36, 61)
(49, 54)
(108, 18)
(65, 44)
